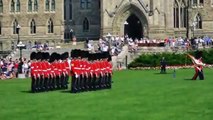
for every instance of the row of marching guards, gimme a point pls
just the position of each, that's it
(89, 71)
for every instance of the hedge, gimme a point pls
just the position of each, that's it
(173, 59)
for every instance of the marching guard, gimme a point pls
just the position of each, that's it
(89, 71)
(49, 72)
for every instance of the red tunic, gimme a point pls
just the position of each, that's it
(33, 68)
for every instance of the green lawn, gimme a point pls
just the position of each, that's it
(136, 95)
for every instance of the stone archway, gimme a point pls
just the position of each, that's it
(133, 27)
(131, 13)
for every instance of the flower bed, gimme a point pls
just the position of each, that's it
(168, 67)
(147, 61)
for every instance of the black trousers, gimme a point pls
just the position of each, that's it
(74, 84)
(37, 83)
(41, 83)
(66, 81)
(109, 81)
(46, 81)
(163, 69)
(200, 74)
(58, 82)
(33, 85)
(89, 82)
(52, 83)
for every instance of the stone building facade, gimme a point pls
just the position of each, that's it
(86, 19)
(157, 18)
(39, 20)
(60, 20)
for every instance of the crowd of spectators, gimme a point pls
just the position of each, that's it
(171, 42)
(34, 46)
(10, 68)
(113, 44)
(116, 43)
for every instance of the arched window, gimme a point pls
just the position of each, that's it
(53, 5)
(85, 25)
(32, 27)
(180, 14)
(65, 9)
(70, 10)
(83, 4)
(197, 2)
(0, 27)
(1, 6)
(47, 5)
(35, 5)
(201, 2)
(30, 5)
(12, 6)
(15, 24)
(183, 14)
(50, 26)
(194, 2)
(88, 4)
(198, 21)
(176, 14)
(18, 6)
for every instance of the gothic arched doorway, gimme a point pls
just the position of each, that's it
(133, 27)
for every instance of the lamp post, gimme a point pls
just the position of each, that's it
(109, 37)
(18, 27)
(71, 33)
(21, 46)
(193, 26)
(125, 27)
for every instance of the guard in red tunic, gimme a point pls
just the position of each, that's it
(97, 72)
(44, 66)
(52, 82)
(86, 70)
(74, 71)
(49, 74)
(33, 68)
(109, 69)
(90, 72)
(106, 72)
(56, 70)
(67, 68)
(40, 80)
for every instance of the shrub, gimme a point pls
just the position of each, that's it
(153, 60)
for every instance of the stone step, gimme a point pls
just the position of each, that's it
(58, 48)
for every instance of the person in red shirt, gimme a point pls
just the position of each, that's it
(16, 67)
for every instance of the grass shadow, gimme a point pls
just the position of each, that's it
(28, 91)
(66, 91)
(163, 73)
(188, 79)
